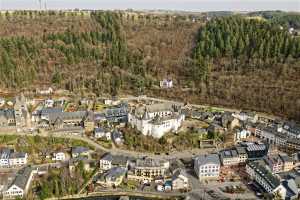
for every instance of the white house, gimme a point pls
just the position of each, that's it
(20, 185)
(102, 133)
(45, 91)
(18, 159)
(109, 161)
(166, 83)
(242, 134)
(59, 156)
(157, 119)
(207, 166)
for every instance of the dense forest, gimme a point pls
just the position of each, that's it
(215, 58)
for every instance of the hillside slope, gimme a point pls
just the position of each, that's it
(233, 62)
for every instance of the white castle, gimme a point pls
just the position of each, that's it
(157, 119)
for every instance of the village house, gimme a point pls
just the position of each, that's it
(149, 169)
(7, 118)
(229, 157)
(45, 91)
(117, 137)
(243, 156)
(117, 114)
(291, 129)
(275, 163)
(20, 185)
(9, 158)
(207, 166)
(56, 118)
(157, 119)
(180, 180)
(166, 83)
(242, 134)
(17, 159)
(59, 156)
(109, 161)
(102, 133)
(49, 103)
(257, 171)
(112, 178)
(80, 151)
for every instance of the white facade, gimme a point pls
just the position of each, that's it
(243, 134)
(4, 159)
(46, 91)
(20, 186)
(207, 167)
(13, 191)
(102, 134)
(4, 162)
(156, 122)
(231, 161)
(208, 171)
(105, 164)
(59, 156)
(166, 83)
(18, 161)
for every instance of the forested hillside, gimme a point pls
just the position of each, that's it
(250, 63)
(232, 60)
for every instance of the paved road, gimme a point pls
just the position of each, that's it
(116, 151)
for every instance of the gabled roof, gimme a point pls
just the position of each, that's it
(79, 149)
(265, 174)
(18, 155)
(207, 159)
(22, 178)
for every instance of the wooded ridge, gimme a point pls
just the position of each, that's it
(245, 61)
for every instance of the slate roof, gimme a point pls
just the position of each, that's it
(79, 150)
(79, 115)
(150, 162)
(22, 177)
(114, 173)
(4, 153)
(207, 159)
(116, 160)
(260, 169)
(17, 155)
(46, 111)
(7, 113)
(231, 153)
